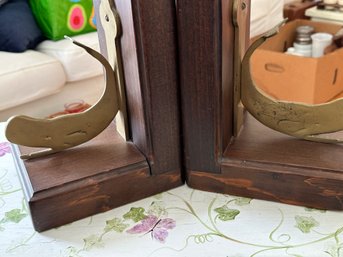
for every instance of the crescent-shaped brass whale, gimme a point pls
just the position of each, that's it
(295, 119)
(70, 130)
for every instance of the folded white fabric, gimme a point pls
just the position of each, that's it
(265, 14)
(28, 76)
(77, 63)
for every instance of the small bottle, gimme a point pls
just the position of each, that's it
(303, 36)
(291, 51)
(303, 41)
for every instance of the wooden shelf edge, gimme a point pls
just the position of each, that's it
(96, 198)
(104, 173)
(265, 164)
(321, 190)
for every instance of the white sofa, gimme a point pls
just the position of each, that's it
(265, 14)
(40, 82)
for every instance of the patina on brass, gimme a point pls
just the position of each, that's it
(239, 11)
(295, 119)
(70, 130)
(110, 23)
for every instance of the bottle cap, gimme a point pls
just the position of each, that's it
(303, 35)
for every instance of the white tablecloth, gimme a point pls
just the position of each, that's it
(181, 222)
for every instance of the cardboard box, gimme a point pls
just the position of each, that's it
(296, 78)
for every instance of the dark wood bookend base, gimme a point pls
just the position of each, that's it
(102, 174)
(261, 163)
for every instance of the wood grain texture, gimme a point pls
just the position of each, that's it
(149, 51)
(206, 50)
(107, 151)
(107, 171)
(259, 163)
(265, 164)
(100, 194)
(227, 74)
(274, 183)
(200, 59)
(261, 144)
(155, 27)
(102, 174)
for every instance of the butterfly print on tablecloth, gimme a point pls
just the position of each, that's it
(157, 227)
(4, 148)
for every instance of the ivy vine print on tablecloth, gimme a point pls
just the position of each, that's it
(278, 240)
(151, 221)
(157, 223)
(305, 224)
(5, 148)
(13, 216)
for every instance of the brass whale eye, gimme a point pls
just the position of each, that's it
(305, 121)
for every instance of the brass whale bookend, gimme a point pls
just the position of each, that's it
(304, 121)
(70, 130)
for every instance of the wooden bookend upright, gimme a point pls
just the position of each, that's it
(259, 162)
(108, 171)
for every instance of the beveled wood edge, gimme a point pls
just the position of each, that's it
(314, 188)
(284, 168)
(98, 178)
(147, 188)
(93, 194)
(22, 173)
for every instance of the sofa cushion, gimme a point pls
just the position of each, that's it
(18, 29)
(28, 76)
(2, 2)
(58, 18)
(265, 14)
(78, 64)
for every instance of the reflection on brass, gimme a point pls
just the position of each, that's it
(70, 130)
(295, 119)
(239, 14)
(110, 22)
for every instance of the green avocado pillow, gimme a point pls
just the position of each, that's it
(57, 18)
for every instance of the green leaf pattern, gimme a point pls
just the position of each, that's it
(241, 201)
(157, 208)
(15, 215)
(71, 251)
(220, 208)
(226, 214)
(135, 214)
(116, 225)
(305, 224)
(93, 241)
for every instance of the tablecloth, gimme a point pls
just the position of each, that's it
(180, 222)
